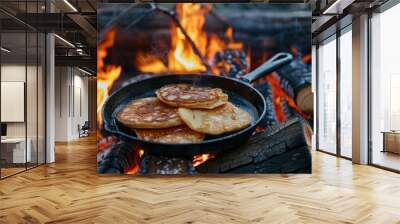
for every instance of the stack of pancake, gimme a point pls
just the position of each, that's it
(183, 113)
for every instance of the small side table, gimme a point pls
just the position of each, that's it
(14, 149)
(391, 141)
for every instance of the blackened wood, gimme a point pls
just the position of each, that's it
(280, 149)
(117, 159)
(298, 75)
(265, 152)
(270, 114)
(293, 161)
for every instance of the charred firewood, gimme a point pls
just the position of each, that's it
(285, 84)
(298, 75)
(292, 161)
(283, 148)
(231, 63)
(118, 158)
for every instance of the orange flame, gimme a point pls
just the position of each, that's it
(135, 168)
(106, 74)
(307, 58)
(149, 63)
(102, 47)
(200, 159)
(181, 57)
(231, 43)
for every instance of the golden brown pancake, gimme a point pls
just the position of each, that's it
(189, 96)
(149, 113)
(175, 135)
(223, 119)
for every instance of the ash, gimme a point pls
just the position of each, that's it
(164, 165)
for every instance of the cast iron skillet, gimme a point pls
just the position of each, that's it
(240, 92)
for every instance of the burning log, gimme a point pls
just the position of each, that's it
(232, 63)
(124, 158)
(298, 76)
(305, 99)
(280, 103)
(283, 148)
(118, 158)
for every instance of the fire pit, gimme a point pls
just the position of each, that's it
(138, 41)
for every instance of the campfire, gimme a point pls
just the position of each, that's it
(184, 46)
(192, 50)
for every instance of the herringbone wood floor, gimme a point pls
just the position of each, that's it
(70, 191)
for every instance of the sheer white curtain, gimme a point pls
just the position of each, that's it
(346, 94)
(327, 96)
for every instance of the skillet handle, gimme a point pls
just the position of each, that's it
(274, 63)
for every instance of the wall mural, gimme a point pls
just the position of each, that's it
(194, 88)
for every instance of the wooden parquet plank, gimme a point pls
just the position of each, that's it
(70, 191)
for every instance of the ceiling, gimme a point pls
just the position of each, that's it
(331, 15)
(72, 20)
(76, 22)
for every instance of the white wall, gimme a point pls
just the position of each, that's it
(71, 94)
(80, 110)
(16, 73)
(61, 103)
(12, 73)
(33, 127)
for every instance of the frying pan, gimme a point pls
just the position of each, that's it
(240, 93)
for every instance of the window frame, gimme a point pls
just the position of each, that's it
(333, 37)
(380, 9)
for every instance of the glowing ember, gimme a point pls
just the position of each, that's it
(259, 129)
(105, 143)
(132, 170)
(278, 94)
(181, 57)
(200, 159)
(135, 168)
(307, 58)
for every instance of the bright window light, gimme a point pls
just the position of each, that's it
(64, 40)
(84, 71)
(5, 50)
(70, 5)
